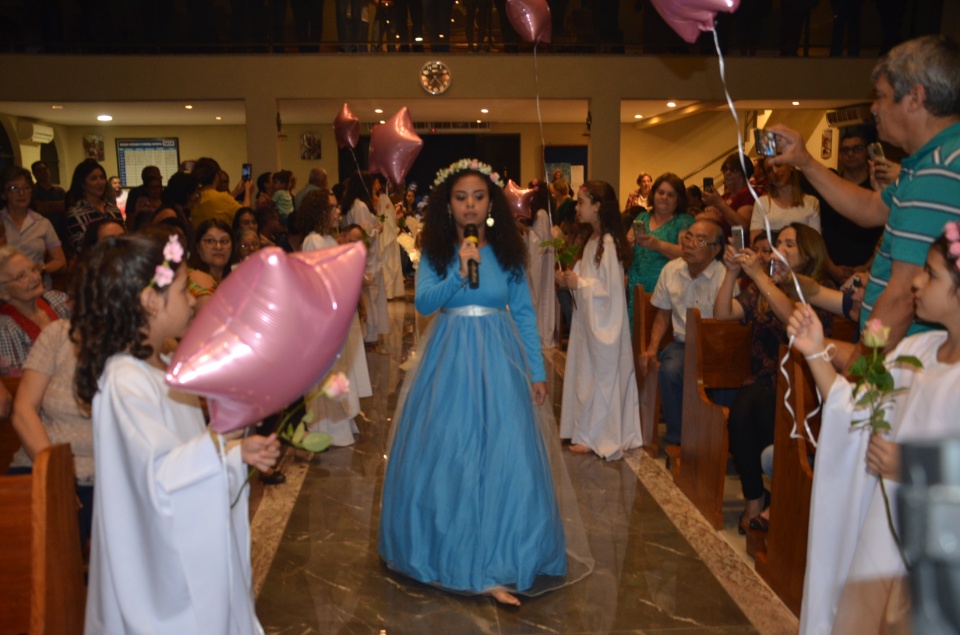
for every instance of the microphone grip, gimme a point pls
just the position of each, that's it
(473, 276)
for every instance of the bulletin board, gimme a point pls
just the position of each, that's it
(135, 154)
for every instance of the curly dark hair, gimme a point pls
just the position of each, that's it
(440, 232)
(315, 211)
(80, 174)
(610, 222)
(108, 317)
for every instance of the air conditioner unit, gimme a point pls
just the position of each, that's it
(34, 132)
(852, 116)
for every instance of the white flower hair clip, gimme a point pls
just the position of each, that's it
(467, 164)
(172, 256)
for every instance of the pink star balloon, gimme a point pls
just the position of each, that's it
(691, 17)
(346, 128)
(531, 19)
(394, 147)
(272, 329)
(519, 200)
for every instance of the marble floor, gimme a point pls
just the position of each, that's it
(659, 567)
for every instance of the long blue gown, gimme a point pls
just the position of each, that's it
(468, 499)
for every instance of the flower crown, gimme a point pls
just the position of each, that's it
(467, 164)
(164, 272)
(952, 233)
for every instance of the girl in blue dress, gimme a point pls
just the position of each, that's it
(468, 499)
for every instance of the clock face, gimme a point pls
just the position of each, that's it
(435, 77)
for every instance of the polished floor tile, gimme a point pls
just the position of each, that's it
(326, 575)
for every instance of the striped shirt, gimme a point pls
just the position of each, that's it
(921, 202)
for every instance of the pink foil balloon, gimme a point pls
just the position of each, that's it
(346, 128)
(269, 333)
(519, 200)
(394, 147)
(531, 19)
(691, 17)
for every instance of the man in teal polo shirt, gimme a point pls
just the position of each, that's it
(916, 108)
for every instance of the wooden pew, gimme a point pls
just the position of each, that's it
(9, 441)
(782, 557)
(783, 562)
(716, 355)
(41, 570)
(643, 315)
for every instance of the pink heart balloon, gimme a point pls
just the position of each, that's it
(519, 200)
(531, 19)
(691, 17)
(270, 332)
(346, 128)
(394, 147)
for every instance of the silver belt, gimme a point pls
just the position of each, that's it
(472, 310)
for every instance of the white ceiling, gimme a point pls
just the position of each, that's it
(315, 111)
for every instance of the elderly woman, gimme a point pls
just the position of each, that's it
(90, 201)
(640, 198)
(736, 203)
(46, 412)
(26, 308)
(27, 230)
(656, 234)
(785, 202)
(210, 259)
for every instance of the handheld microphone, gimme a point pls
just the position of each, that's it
(473, 275)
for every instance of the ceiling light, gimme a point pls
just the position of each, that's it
(379, 111)
(188, 107)
(796, 103)
(57, 107)
(104, 118)
(484, 110)
(382, 121)
(218, 117)
(671, 104)
(479, 121)
(418, 39)
(638, 116)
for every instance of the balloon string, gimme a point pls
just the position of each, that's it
(543, 143)
(362, 181)
(766, 221)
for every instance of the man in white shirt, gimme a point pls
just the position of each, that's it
(692, 280)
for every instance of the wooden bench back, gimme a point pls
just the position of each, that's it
(41, 569)
(716, 355)
(643, 315)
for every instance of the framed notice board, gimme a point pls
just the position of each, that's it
(135, 154)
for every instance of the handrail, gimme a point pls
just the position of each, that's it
(719, 157)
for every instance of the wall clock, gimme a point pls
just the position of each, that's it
(435, 77)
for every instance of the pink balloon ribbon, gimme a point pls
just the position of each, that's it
(394, 147)
(270, 331)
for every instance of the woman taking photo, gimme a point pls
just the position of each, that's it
(736, 203)
(89, 200)
(658, 240)
(469, 503)
(765, 304)
(27, 230)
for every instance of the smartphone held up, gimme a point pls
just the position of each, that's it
(766, 142)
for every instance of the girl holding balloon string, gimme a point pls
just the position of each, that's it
(472, 492)
(856, 579)
(168, 551)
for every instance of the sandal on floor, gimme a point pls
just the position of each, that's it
(741, 526)
(275, 478)
(759, 523)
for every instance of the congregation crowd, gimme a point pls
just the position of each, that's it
(873, 240)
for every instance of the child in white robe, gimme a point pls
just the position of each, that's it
(855, 580)
(600, 411)
(168, 554)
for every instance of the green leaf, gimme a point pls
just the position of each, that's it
(884, 382)
(316, 441)
(867, 398)
(909, 360)
(859, 367)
